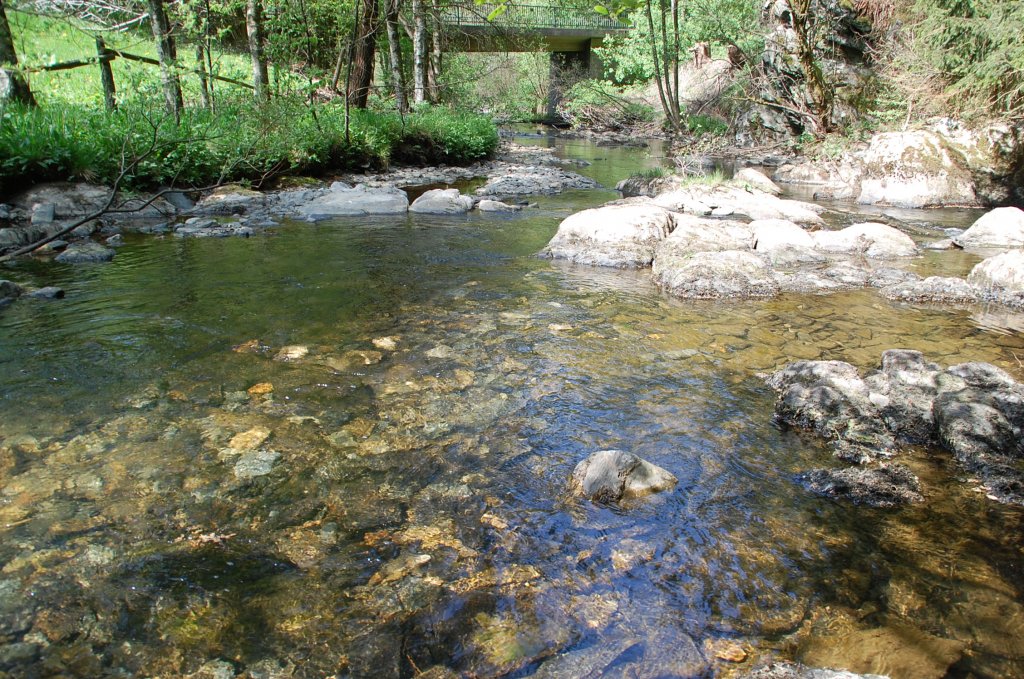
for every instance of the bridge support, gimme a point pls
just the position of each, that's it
(567, 69)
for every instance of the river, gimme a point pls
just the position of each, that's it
(342, 449)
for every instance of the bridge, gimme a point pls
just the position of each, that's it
(568, 34)
(527, 28)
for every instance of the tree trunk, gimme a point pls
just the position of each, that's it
(419, 53)
(204, 79)
(363, 58)
(254, 29)
(434, 65)
(395, 53)
(106, 75)
(822, 96)
(166, 54)
(13, 86)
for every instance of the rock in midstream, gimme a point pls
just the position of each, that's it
(623, 236)
(613, 475)
(974, 410)
(442, 202)
(999, 228)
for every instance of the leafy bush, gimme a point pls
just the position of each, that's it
(599, 104)
(239, 142)
(700, 125)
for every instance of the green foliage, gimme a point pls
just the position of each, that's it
(700, 125)
(976, 47)
(240, 142)
(628, 58)
(600, 104)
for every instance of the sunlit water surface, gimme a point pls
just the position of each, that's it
(167, 501)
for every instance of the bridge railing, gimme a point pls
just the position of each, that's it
(523, 17)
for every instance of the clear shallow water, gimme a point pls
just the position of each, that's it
(167, 500)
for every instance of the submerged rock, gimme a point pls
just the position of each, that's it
(613, 475)
(715, 275)
(442, 202)
(622, 236)
(85, 253)
(887, 485)
(974, 410)
(933, 290)
(9, 291)
(1000, 228)
(788, 670)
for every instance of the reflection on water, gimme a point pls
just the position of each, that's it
(391, 498)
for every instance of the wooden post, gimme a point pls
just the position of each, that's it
(106, 74)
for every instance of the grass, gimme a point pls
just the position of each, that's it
(70, 136)
(42, 41)
(240, 142)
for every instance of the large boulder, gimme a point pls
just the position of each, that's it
(870, 239)
(1001, 277)
(623, 236)
(696, 234)
(343, 200)
(748, 176)
(734, 274)
(74, 200)
(946, 163)
(613, 475)
(442, 202)
(1000, 228)
(914, 169)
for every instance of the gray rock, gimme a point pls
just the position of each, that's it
(49, 292)
(869, 239)
(85, 253)
(622, 236)
(256, 463)
(179, 200)
(488, 205)
(1000, 278)
(613, 475)
(1000, 228)
(914, 169)
(886, 485)
(9, 291)
(43, 213)
(442, 202)
(714, 275)
(975, 410)
(343, 200)
(115, 241)
(18, 653)
(209, 228)
(933, 290)
(758, 180)
(534, 180)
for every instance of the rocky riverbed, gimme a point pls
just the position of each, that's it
(347, 447)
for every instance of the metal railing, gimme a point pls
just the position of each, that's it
(534, 17)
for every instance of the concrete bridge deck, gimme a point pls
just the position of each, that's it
(527, 28)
